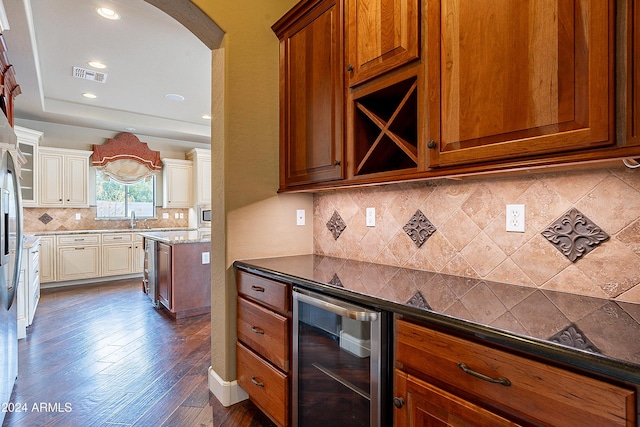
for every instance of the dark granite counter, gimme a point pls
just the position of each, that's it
(598, 335)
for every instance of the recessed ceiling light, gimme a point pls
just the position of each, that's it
(206, 117)
(129, 129)
(97, 64)
(89, 95)
(174, 97)
(105, 12)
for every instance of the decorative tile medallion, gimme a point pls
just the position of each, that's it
(572, 336)
(418, 301)
(419, 228)
(336, 225)
(335, 281)
(45, 218)
(574, 234)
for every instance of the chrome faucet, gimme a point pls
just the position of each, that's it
(133, 219)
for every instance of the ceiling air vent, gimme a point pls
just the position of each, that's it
(95, 76)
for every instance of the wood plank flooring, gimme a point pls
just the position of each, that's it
(101, 355)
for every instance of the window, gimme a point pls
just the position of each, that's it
(116, 200)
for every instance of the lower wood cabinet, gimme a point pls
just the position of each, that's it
(263, 349)
(47, 259)
(440, 372)
(78, 256)
(117, 254)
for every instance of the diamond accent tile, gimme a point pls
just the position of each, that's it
(573, 337)
(45, 218)
(336, 225)
(335, 281)
(418, 301)
(419, 228)
(574, 234)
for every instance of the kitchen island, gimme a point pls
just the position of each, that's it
(181, 271)
(568, 356)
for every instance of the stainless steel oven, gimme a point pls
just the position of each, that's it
(340, 370)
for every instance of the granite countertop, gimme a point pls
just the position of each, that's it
(599, 335)
(177, 237)
(110, 230)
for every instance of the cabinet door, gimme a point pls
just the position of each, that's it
(178, 183)
(312, 97)
(78, 262)
(423, 404)
(76, 180)
(51, 179)
(47, 259)
(629, 69)
(514, 79)
(381, 35)
(138, 254)
(117, 259)
(164, 275)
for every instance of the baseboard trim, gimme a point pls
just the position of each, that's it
(227, 392)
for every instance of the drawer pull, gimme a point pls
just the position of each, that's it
(78, 240)
(398, 402)
(257, 288)
(253, 380)
(257, 330)
(502, 381)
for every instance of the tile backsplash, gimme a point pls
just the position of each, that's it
(582, 229)
(37, 220)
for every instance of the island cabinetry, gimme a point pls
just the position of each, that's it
(381, 35)
(263, 352)
(78, 256)
(311, 93)
(437, 371)
(184, 280)
(63, 177)
(117, 254)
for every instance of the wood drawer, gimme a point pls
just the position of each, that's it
(267, 387)
(265, 331)
(537, 391)
(116, 238)
(267, 291)
(78, 239)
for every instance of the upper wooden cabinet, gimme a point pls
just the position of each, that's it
(628, 53)
(381, 35)
(177, 183)
(311, 93)
(63, 177)
(514, 79)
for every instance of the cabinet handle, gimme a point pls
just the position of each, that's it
(117, 238)
(431, 144)
(257, 330)
(78, 240)
(398, 402)
(349, 67)
(79, 249)
(253, 380)
(502, 380)
(336, 163)
(257, 288)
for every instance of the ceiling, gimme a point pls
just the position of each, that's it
(148, 55)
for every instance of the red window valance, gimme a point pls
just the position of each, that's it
(126, 146)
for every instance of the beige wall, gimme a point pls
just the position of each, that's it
(256, 222)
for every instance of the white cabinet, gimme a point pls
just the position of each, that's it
(63, 177)
(117, 254)
(28, 294)
(138, 253)
(78, 257)
(201, 159)
(177, 183)
(28, 141)
(47, 259)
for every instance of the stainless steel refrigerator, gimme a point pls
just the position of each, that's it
(10, 258)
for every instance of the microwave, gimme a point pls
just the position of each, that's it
(204, 216)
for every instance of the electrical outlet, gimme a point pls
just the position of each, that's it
(176, 215)
(205, 257)
(371, 217)
(300, 217)
(181, 215)
(515, 218)
(165, 215)
(78, 217)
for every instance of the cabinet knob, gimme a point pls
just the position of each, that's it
(336, 163)
(398, 402)
(431, 144)
(349, 67)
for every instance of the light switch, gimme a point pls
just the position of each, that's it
(205, 257)
(176, 215)
(300, 217)
(78, 217)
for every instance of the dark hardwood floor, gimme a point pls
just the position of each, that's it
(101, 355)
